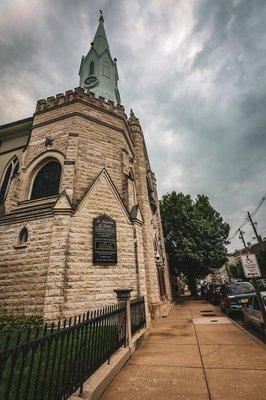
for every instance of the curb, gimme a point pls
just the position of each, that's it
(94, 387)
(242, 329)
(248, 333)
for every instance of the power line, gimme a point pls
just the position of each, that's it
(251, 214)
(258, 206)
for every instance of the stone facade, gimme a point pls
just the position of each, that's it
(77, 158)
(104, 170)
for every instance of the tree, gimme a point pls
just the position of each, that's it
(195, 236)
(236, 271)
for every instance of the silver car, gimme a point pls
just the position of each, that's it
(252, 315)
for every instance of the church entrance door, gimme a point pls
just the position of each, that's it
(161, 278)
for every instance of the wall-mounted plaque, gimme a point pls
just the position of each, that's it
(104, 240)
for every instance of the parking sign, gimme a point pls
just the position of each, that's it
(250, 266)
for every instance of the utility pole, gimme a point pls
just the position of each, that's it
(254, 280)
(255, 230)
(242, 238)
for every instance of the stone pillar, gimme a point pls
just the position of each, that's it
(69, 164)
(142, 273)
(123, 296)
(55, 281)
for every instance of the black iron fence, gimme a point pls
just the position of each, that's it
(53, 362)
(138, 315)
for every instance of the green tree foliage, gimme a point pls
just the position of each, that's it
(195, 235)
(261, 256)
(236, 271)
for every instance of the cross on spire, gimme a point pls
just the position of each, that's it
(101, 16)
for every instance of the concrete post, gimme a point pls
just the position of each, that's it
(123, 296)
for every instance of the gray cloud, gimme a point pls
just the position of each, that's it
(194, 72)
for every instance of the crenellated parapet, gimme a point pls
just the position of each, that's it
(79, 94)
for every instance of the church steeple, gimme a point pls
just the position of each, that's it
(100, 40)
(98, 71)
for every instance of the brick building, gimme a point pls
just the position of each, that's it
(79, 212)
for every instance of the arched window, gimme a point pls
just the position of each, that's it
(106, 69)
(47, 180)
(23, 236)
(92, 68)
(10, 172)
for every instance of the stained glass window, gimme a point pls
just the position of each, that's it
(47, 180)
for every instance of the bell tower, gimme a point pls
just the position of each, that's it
(98, 71)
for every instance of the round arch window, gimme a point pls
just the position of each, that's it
(23, 236)
(46, 182)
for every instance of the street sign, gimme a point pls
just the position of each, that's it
(250, 266)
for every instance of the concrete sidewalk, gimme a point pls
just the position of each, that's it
(194, 354)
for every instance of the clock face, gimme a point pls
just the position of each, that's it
(90, 81)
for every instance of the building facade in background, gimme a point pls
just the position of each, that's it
(79, 214)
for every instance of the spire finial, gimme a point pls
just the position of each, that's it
(132, 113)
(101, 16)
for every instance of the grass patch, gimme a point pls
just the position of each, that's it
(57, 364)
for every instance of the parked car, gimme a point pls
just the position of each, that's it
(262, 284)
(213, 292)
(252, 314)
(203, 290)
(234, 296)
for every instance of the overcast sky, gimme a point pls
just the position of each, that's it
(193, 71)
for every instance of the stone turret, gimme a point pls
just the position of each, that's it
(98, 71)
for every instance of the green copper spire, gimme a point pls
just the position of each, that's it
(100, 40)
(98, 72)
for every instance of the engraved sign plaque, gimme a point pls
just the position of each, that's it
(104, 240)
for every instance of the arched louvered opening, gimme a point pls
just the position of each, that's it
(106, 69)
(92, 68)
(47, 180)
(10, 171)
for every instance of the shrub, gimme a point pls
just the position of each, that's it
(20, 322)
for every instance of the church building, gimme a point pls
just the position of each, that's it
(79, 213)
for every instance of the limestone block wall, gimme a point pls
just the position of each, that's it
(98, 149)
(53, 309)
(142, 272)
(88, 285)
(88, 133)
(164, 255)
(140, 168)
(152, 221)
(131, 189)
(160, 236)
(68, 177)
(24, 270)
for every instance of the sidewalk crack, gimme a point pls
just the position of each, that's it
(203, 368)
